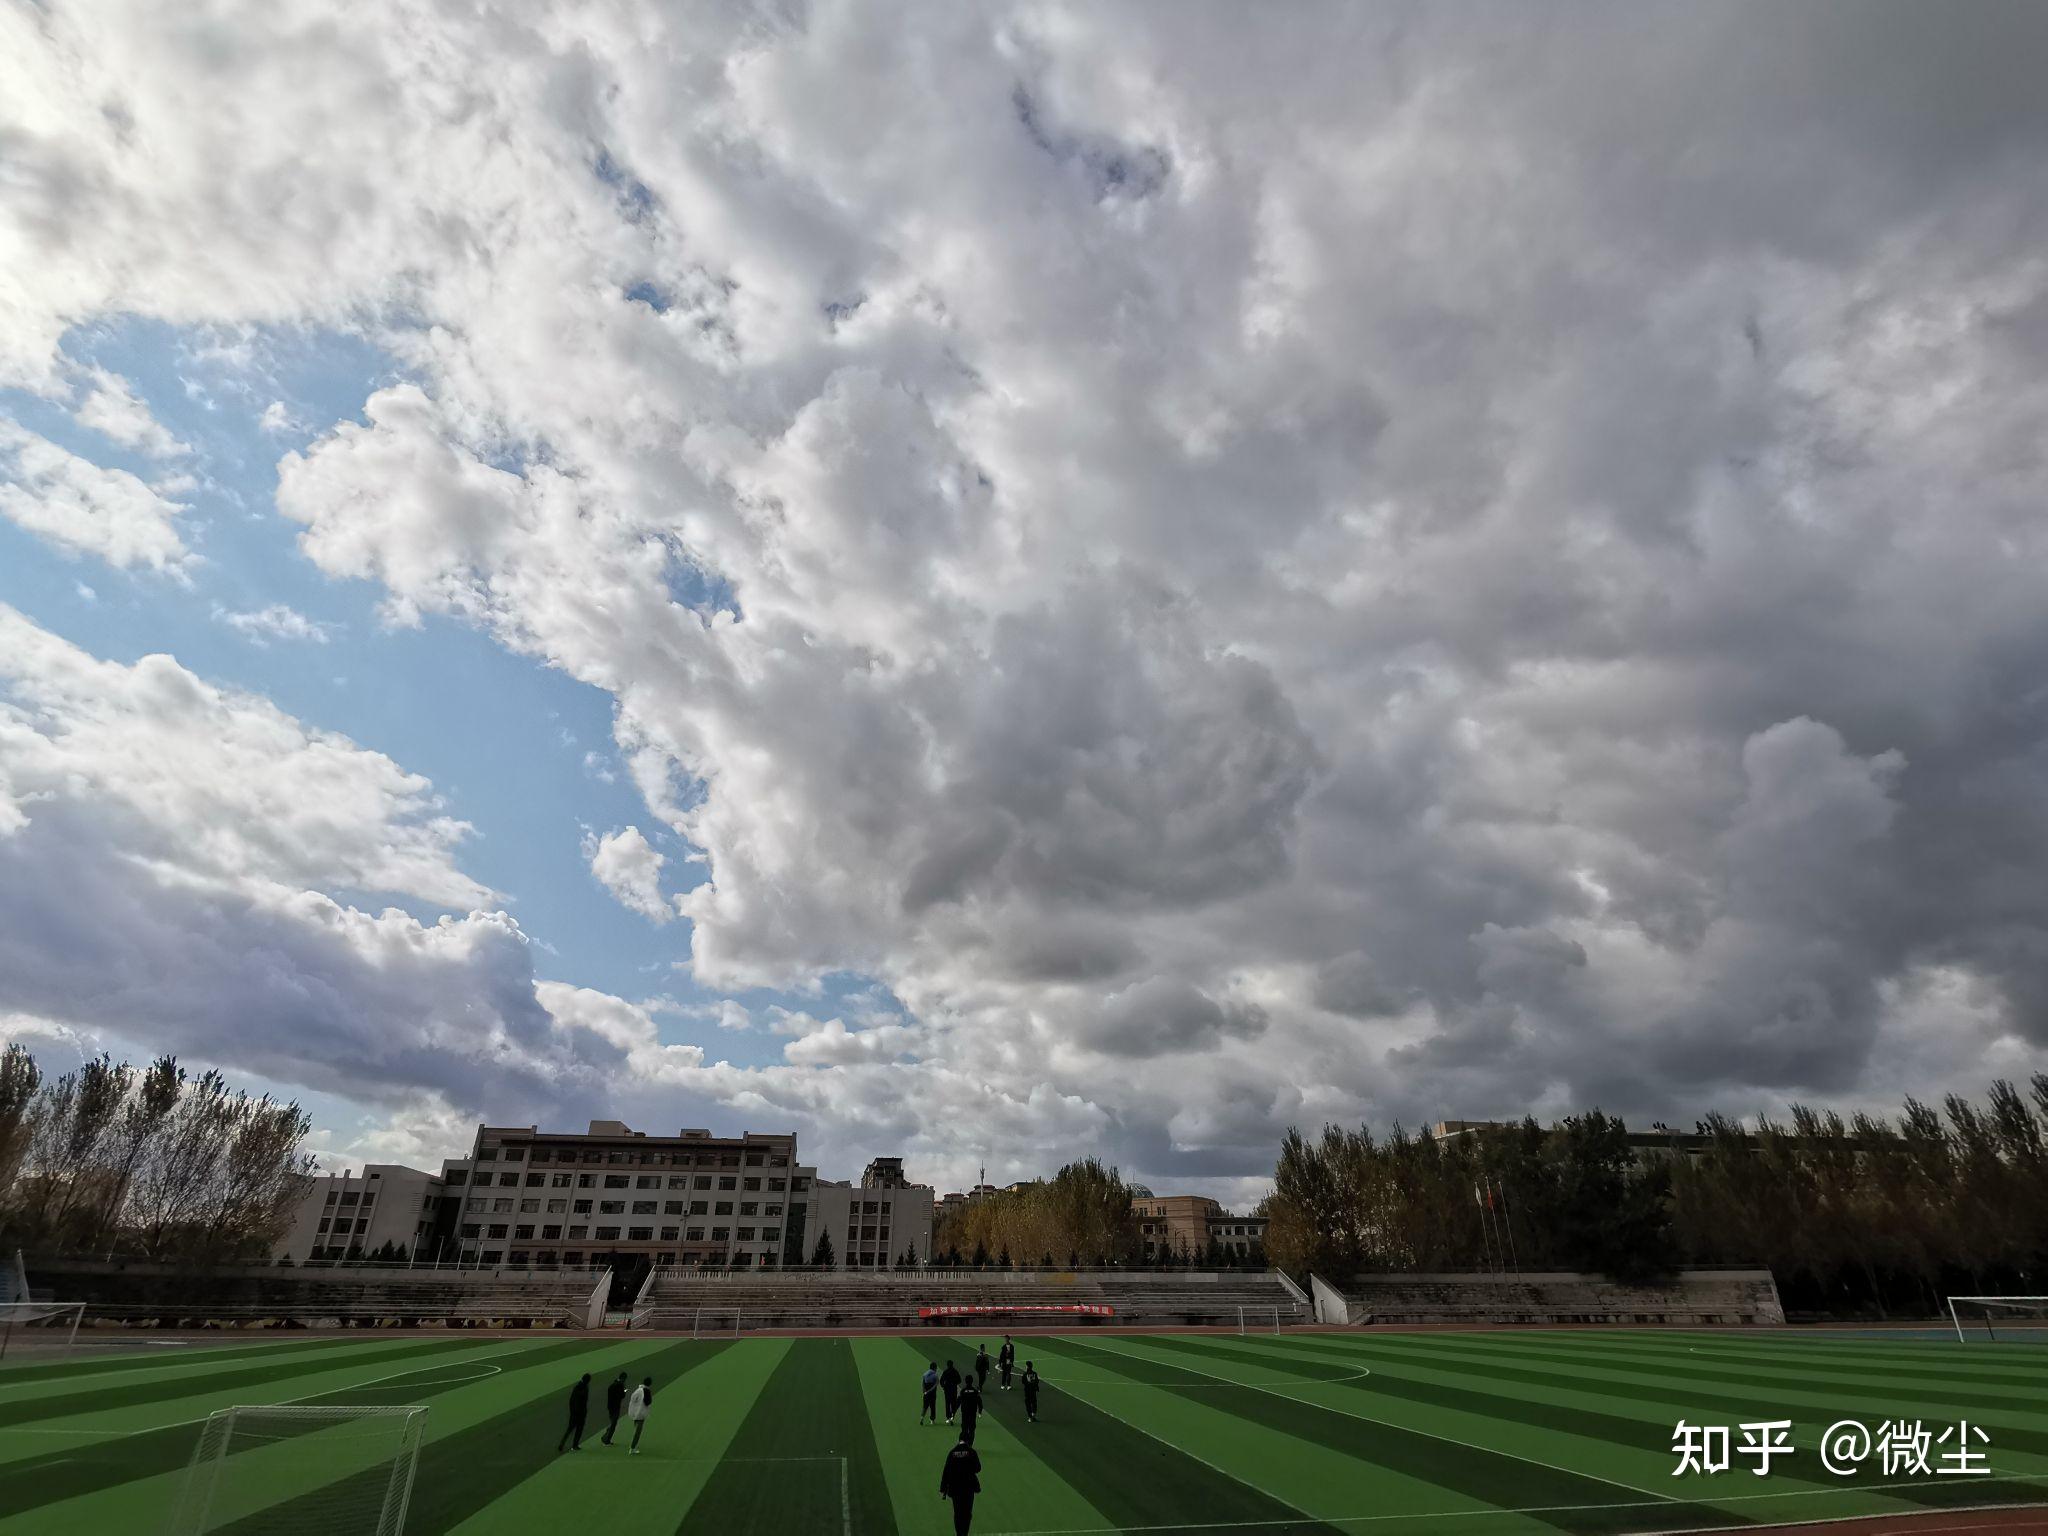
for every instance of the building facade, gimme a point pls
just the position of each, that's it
(1183, 1227)
(615, 1196)
(872, 1225)
(385, 1208)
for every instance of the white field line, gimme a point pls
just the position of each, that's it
(1549, 1509)
(356, 1386)
(1534, 1461)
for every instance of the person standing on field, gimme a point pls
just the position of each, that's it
(1006, 1357)
(579, 1409)
(960, 1481)
(614, 1400)
(1030, 1392)
(981, 1366)
(970, 1405)
(949, 1383)
(930, 1410)
(636, 1410)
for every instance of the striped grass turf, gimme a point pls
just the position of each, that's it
(1491, 1434)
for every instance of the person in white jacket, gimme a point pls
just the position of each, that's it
(636, 1410)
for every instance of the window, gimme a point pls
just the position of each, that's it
(324, 1224)
(745, 1234)
(487, 1154)
(697, 1207)
(580, 1207)
(500, 1207)
(471, 1229)
(677, 1181)
(351, 1197)
(497, 1230)
(593, 1157)
(724, 1208)
(586, 1181)
(616, 1181)
(557, 1207)
(748, 1207)
(644, 1207)
(775, 1186)
(454, 1178)
(647, 1181)
(479, 1203)
(543, 1155)
(492, 1256)
(771, 1234)
(727, 1182)
(330, 1196)
(672, 1208)
(611, 1207)
(754, 1159)
(508, 1178)
(525, 1233)
(771, 1209)
(668, 1235)
(703, 1182)
(640, 1234)
(751, 1184)
(719, 1234)
(560, 1181)
(551, 1233)
(572, 1257)
(607, 1234)
(529, 1207)
(515, 1154)
(577, 1234)
(694, 1235)
(616, 1158)
(535, 1180)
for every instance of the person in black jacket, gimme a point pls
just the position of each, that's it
(579, 1409)
(614, 1400)
(930, 1410)
(1006, 1357)
(1030, 1392)
(949, 1383)
(960, 1481)
(970, 1405)
(981, 1366)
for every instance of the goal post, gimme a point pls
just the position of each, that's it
(51, 1320)
(1258, 1320)
(2016, 1314)
(715, 1323)
(353, 1467)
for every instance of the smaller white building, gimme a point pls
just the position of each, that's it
(351, 1215)
(871, 1226)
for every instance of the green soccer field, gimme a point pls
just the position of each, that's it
(1494, 1433)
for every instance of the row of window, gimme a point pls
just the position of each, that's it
(518, 1154)
(474, 1231)
(520, 1258)
(503, 1205)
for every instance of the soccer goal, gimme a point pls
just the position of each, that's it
(1994, 1317)
(1258, 1319)
(43, 1323)
(715, 1323)
(355, 1464)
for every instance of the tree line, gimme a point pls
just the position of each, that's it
(1081, 1215)
(1858, 1215)
(152, 1162)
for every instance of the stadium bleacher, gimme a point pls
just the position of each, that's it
(1693, 1297)
(701, 1299)
(340, 1295)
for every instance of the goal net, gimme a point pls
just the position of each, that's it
(1258, 1319)
(2013, 1319)
(301, 1470)
(715, 1323)
(42, 1324)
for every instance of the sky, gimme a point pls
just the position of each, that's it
(991, 583)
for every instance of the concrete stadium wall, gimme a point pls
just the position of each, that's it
(1697, 1297)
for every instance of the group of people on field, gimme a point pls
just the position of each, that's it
(960, 1478)
(633, 1402)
